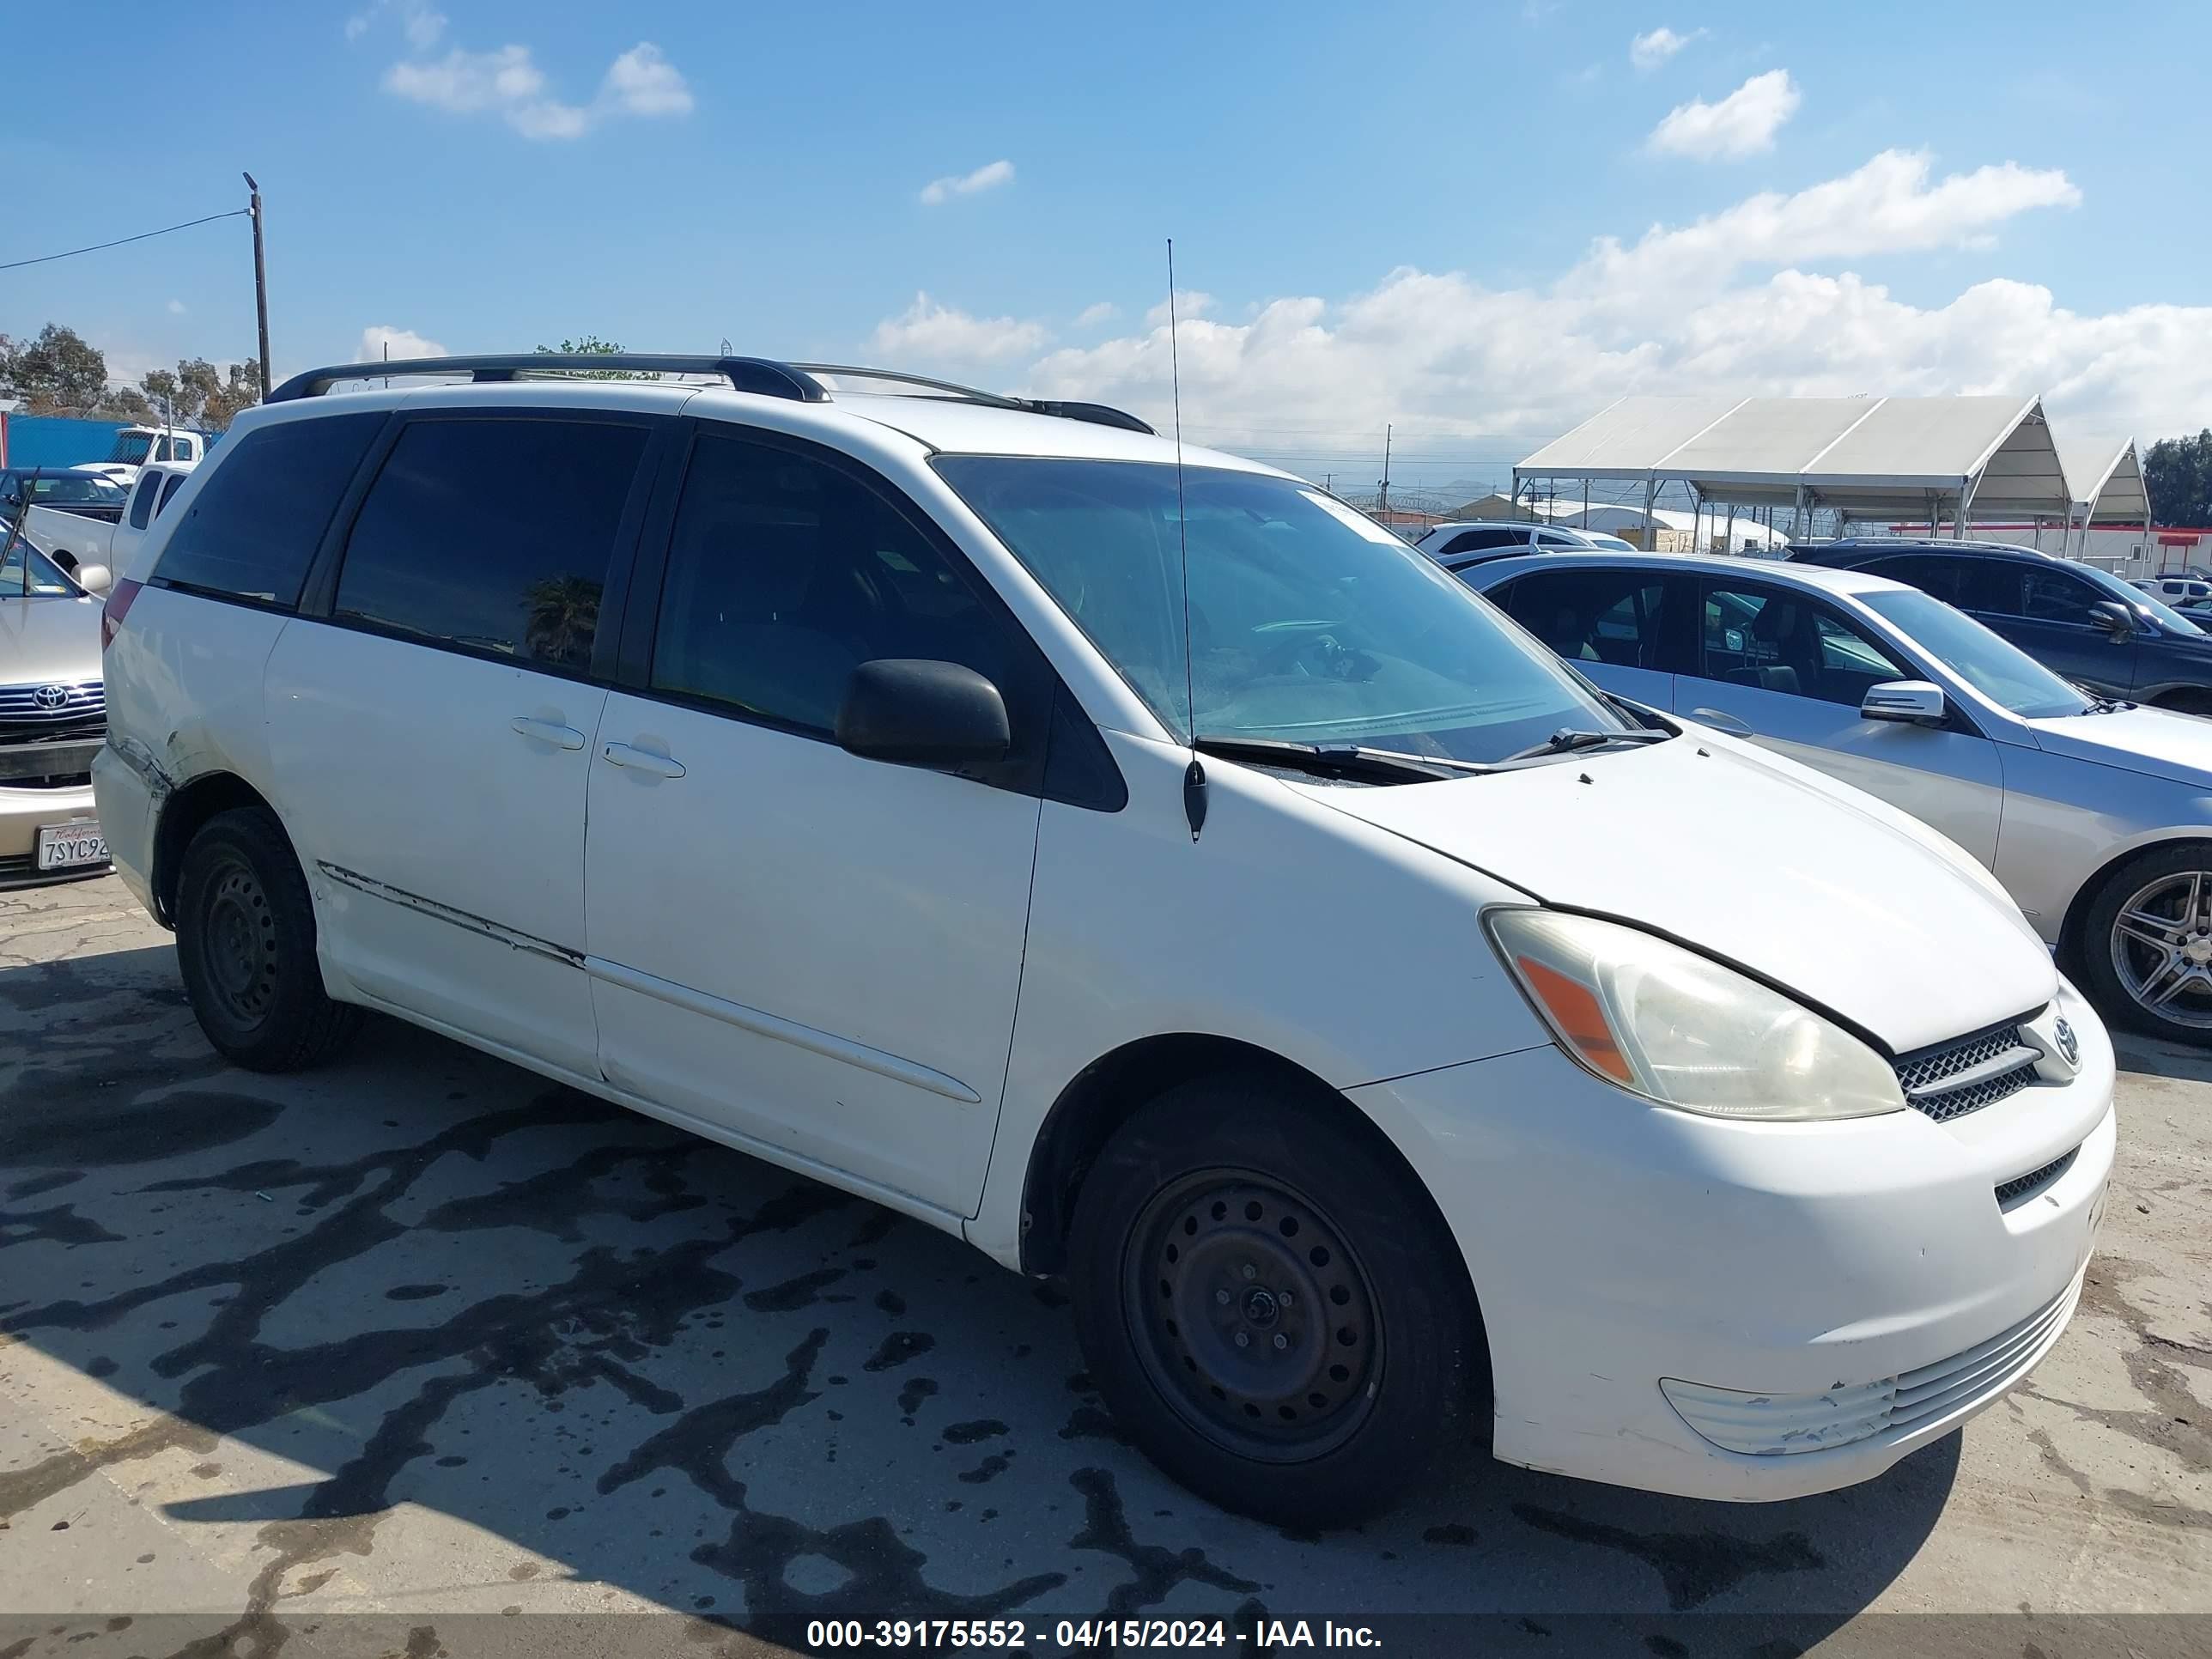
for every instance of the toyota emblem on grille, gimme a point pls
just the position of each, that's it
(2069, 1046)
(51, 696)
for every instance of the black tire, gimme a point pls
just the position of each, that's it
(2156, 882)
(245, 946)
(1306, 1424)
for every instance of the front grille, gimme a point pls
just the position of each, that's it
(67, 713)
(2034, 1181)
(1969, 1073)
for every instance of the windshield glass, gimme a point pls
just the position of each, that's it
(2000, 671)
(2136, 598)
(131, 448)
(47, 581)
(1309, 622)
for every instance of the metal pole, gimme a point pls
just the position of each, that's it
(1650, 503)
(1382, 502)
(260, 281)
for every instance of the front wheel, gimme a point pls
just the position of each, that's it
(2146, 943)
(245, 947)
(1271, 1306)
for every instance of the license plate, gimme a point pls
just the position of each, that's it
(71, 846)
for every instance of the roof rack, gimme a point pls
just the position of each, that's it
(756, 375)
(759, 376)
(1097, 414)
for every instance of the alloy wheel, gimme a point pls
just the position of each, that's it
(2162, 948)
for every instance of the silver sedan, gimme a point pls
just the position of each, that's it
(2096, 816)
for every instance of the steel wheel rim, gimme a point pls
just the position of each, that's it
(238, 945)
(2162, 948)
(1228, 1252)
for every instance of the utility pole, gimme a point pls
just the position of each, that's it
(1382, 499)
(260, 280)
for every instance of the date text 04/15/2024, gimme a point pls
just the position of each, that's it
(1071, 1635)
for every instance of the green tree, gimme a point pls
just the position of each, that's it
(198, 393)
(591, 345)
(2178, 476)
(59, 369)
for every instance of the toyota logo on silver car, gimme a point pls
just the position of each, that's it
(51, 696)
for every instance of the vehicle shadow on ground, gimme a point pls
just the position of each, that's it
(2150, 1056)
(636, 1359)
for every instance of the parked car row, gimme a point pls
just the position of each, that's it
(1135, 862)
(51, 717)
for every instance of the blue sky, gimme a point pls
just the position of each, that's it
(1387, 213)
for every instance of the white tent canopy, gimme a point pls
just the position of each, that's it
(2107, 480)
(1865, 456)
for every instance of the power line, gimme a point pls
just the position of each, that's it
(98, 247)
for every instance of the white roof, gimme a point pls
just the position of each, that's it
(2106, 475)
(1864, 455)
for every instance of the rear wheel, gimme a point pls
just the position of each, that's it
(2147, 943)
(1270, 1305)
(245, 946)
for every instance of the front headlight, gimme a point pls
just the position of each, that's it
(1685, 1031)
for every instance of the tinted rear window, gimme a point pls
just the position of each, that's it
(493, 536)
(254, 526)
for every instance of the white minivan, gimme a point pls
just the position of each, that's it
(1133, 860)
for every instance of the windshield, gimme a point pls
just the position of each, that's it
(2136, 599)
(2000, 671)
(1309, 624)
(131, 448)
(47, 581)
(76, 488)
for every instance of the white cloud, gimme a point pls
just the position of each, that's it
(176, 307)
(404, 342)
(1189, 302)
(420, 22)
(1742, 123)
(507, 82)
(1736, 303)
(1091, 316)
(1648, 51)
(989, 176)
(941, 334)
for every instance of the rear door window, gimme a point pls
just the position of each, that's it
(2058, 596)
(254, 527)
(493, 536)
(141, 504)
(1474, 541)
(1779, 641)
(1616, 616)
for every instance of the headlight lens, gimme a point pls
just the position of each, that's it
(1684, 1031)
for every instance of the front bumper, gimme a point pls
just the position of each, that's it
(23, 813)
(1793, 1283)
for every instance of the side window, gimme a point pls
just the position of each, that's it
(2058, 596)
(493, 536)
(1933, 575)
(1552, 538)
(1592, 615)
(1784, 643)
(253, 527)
(185, 450)
(1474, 541)
(176, 482)
(786, 573)
(141, 504)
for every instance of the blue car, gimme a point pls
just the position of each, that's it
(2084, 624)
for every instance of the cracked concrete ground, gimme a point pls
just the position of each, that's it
(422, 1335)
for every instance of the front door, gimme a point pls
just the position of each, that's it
(791, 944)
(1790, 672)
(431, 732)
(2052, 621)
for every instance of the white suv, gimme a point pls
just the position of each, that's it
(1393, 1040)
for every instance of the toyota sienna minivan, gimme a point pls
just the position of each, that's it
(1137, 862)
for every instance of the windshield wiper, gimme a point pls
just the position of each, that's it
(1567, 739)
(1336, 760)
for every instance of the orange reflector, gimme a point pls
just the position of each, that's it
(1575, 1009)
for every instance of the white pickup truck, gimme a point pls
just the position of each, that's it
(136, 446)
(81, 537)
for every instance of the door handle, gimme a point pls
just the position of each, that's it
(1721, 722)
(552, 732)
(641, 760)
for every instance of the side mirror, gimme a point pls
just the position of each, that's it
(2113, 617)
(93, 578)
(916, 713)
(1915, 702)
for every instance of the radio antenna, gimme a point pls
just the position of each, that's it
(1193, 777)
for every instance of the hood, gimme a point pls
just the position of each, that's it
(2156, 741)
(1806, 881)
(49, 641)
